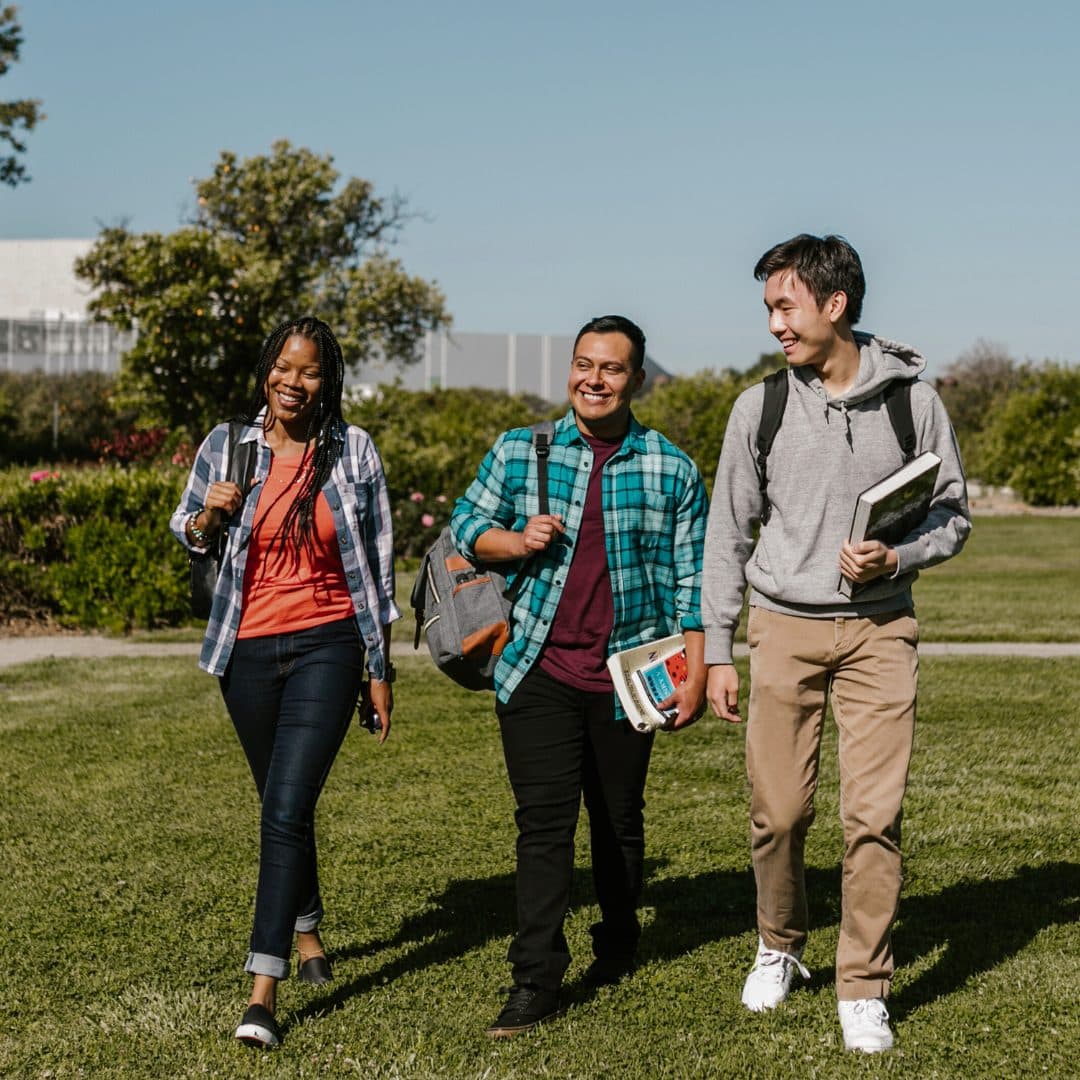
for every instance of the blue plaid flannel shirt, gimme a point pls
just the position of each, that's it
(358, 500)
(654, 509)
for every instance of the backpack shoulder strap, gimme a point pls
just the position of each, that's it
(898, 404)
(241, 465)
(541, 439)
(542, 432)
(234, 436)
(772, 415)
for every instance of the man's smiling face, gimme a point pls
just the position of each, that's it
(602, 383)
(806, 332)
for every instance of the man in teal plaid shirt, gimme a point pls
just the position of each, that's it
(615, 563)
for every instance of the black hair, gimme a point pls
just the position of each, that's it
(825, 265)
(617, 324)
(299, 521)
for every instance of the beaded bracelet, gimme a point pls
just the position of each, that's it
(198, 535)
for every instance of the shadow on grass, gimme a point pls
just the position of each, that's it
(696, 910)
(466, 915)
(977, 925)
(469, 913)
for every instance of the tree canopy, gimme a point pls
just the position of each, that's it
(270, 239)
(16, 117)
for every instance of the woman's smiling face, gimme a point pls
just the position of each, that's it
(294, 381)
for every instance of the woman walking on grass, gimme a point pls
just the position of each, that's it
(305, 591)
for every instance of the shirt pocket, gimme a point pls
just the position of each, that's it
(657, 521)
(352, 499)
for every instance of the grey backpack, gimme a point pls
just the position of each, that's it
(462, 607)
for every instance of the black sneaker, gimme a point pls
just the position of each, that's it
(259, 1029)
(526, 1006)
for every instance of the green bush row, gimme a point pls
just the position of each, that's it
(90, 547)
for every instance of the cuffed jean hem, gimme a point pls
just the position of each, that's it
(264, 964)
(306, 923)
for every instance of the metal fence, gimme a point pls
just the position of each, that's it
(61, 346)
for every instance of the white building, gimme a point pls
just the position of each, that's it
(43, 321)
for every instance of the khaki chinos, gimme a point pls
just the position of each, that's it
(869, 668)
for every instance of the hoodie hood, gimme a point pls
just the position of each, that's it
(880, 362)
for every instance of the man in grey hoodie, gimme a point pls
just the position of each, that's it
(808, 641)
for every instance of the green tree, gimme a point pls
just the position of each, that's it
(693, 410)
(972, 388)
(767, 363)
(85, 412)
(1032, 440)
(270, 239)
(16, 117)
(432, 441)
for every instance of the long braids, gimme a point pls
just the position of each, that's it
(299, 521)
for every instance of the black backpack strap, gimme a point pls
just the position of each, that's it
(898, 403)
(240, 470)
(541, 437)
(542, 432)
(772, 415)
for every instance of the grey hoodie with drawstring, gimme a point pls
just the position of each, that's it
(826, 452)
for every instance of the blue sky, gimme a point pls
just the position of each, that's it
(572, 159)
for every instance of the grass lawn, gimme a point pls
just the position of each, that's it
(1017, 579)
(129, 829)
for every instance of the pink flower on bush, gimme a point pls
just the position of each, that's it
(440, 498)
(417, 497)
(43, 474)
(182, 455)
(427, 520)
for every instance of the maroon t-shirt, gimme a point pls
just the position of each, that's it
(576, 649)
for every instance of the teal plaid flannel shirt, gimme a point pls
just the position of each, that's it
(654, 510)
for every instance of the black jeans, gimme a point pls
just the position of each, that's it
(291, 697)
(560, 743)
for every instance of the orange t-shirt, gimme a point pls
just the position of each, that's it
(288, 587)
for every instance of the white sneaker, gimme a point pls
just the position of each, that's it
(770, 979)
(866, 1025)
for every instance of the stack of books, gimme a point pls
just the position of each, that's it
(647, 675)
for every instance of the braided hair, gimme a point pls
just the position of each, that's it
(299, 521)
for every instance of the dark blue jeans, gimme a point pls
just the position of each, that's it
(561, 743)
(290, 697)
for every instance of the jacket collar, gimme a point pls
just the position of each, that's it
(567, 432)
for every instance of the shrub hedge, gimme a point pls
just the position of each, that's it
(90, 547)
